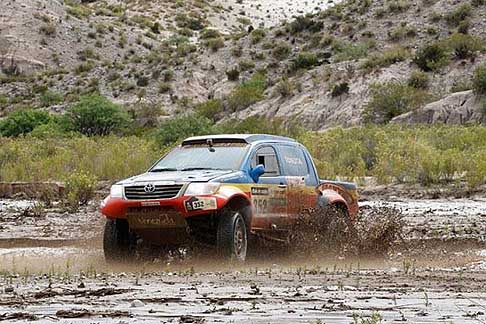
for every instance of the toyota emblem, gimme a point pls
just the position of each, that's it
(149, 187)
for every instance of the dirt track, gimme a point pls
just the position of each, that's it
(438, 277)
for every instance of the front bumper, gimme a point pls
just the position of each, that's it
(187, 206)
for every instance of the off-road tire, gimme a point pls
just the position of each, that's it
(232, 235)
(118, 241)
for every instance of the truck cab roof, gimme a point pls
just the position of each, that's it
(237, 138)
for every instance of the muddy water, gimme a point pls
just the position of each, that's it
(440, 277)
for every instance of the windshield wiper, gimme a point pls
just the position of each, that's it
(163, 170)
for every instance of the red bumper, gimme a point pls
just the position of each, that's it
(117, 207)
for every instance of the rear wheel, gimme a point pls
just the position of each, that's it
(232, 235)
(118, 241)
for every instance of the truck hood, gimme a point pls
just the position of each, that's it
(176, 176)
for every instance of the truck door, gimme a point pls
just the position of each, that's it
(300, 181)
(269, 195)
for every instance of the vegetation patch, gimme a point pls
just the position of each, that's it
(23, 122)
(96, 115)
(391, 99)
(432, 57)
(386, 58)
(305, 60)
(479, 79)
(458, 14)
(247, 93)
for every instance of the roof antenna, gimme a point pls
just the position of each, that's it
(209, 141)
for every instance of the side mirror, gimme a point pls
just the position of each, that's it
(256, 172)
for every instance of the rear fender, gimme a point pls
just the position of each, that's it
(329, 197)
(331, 194)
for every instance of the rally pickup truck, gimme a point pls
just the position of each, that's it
(220, 190)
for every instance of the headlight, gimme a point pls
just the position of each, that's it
(205, 188)
(116, 191)
(104, 201)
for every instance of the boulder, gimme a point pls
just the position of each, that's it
(456, 109)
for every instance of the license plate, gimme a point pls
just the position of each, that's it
(147, 217)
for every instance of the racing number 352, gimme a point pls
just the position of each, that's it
(261, 205)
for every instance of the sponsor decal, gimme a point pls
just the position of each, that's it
(295, 181)
(155, 221)
(258, 191)
(150, 203)
(200, 203)
(293, 160)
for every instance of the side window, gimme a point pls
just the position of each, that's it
(268, 157)
(294, 162)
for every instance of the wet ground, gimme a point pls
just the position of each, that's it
(52, 270)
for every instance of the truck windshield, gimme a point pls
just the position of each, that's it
(226, 156)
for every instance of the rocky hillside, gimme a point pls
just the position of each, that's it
(332, 67)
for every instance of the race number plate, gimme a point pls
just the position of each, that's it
(154, 217)
(201, 203)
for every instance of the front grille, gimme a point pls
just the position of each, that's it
(160, 192)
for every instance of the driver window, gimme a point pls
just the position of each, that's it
(267, 157)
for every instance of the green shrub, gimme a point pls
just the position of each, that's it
(387, 58)
(479, 79)
(50, 98)
(418, 80)
(23, 122)
(77, 10)
(477, 3)
(179, 128)
(432, 57)
(214, 43)
(210, 109)
(302, 23)
(164, 87)
(193, 23)
(96, 115)
(284, 87)
(233, 74)
(346, 51)
(246, 65)
(463, 46)
(391, 99)
(464, 26)
(305, 60)
(257, 35)
(48, 29)
(460, 13)
(84, 67)
(281, 51)
(58, 127)
(168, 75)
(247, 93)
(398, 6)
(237, 51)
(460, 85)
(80, 188)
(208, 33)
(401, 32)
(339, 89)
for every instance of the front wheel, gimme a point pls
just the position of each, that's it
(118, 241)
(232, 235)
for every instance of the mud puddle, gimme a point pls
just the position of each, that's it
(52, 270)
